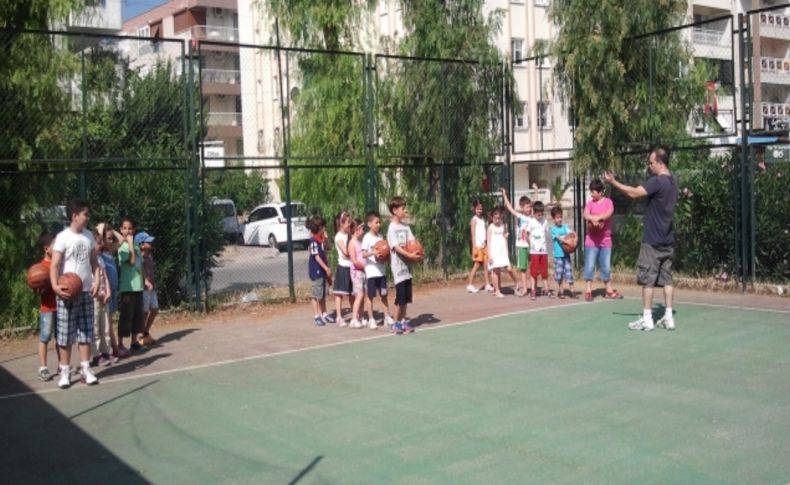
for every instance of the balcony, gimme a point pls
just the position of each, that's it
(775, 25)
(712, 43)
(775, 115)
(210, 32)
(774, 70)
(221, 82)
(218, 118)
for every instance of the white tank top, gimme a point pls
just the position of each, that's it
(480, 231)
(342, 260)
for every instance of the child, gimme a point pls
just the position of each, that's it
(498, 257)
(72, 252)
(318, 266)
(131, 285)
(538, 258)
(357, 273)
(101, 325)
(522, 237)
(374, 271)
(398, 234)
(109, 248)
(150, 301)
(343, 286)
(477, 228)
(562, 260)
(598, 241)
(47, 311)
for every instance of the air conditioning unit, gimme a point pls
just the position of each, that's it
(218, 12)
(765, 109)
(780, 110)
(771, 20)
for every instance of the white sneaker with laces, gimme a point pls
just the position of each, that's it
(87, 376)
(641, 324)
(471, 289)
(355, 323)
(666, 322)
(65, 378)
(341, 322)
(388, 321)
(372, 324)
(489, 288)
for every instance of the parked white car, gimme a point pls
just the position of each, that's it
(267, 225)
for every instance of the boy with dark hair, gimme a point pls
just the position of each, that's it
(563, 271)
(375, 271)
(398, 234)
(319, 270)
(47, 311)
(522, 237)
(72, 252)
(538, 257)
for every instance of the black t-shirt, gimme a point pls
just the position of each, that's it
(662, 197)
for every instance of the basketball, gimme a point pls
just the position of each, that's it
(382, 249)
(73, 284)
(570, 242)
(414, 246)
(38, 277)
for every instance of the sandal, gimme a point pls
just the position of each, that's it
(614, 295)
(588, 296)
(561, 296)
(533, 297)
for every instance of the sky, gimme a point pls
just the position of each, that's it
(132, 8)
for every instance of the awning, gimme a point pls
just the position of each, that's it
(759, 140)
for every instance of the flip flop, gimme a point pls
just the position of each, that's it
(614, 295)
(588, 296)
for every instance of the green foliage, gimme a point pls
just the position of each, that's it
(247, 188)
(626, 92)
(558, 188)
(773, 222)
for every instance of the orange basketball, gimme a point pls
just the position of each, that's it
(38, 277)
(570, 242)
(73, 284)
(414, 246)
(382, 250)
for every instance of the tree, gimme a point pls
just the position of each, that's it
(626, 91)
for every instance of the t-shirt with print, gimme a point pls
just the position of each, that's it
(537, 236)
(48, 302)
(397, 235)
(662, 197)
(522, 238)
(316, 250)
(556, 233)
(600, 237)
(76, 248)
(342, 260)
(373, 268)
(131, 277)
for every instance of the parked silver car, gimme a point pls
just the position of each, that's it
(267, 225)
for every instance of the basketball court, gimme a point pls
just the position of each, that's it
(485, 391)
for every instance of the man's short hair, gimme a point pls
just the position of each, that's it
(662, 155)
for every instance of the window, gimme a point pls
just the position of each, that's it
(541, 3)
(517, 49)
(520, 121)
(544, 115)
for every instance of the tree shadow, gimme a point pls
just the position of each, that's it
(44, 446)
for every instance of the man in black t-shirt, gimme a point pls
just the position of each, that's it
(655, 254)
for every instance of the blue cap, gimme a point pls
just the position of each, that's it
(143, 237)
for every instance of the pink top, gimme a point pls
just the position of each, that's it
(356, 247)
(596, 236)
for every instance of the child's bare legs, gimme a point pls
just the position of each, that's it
(385, 302)
(369, 308)
(356, 307)
(472, 273)
(533, 284)
(400, 312)
(338, 308)
(149, 321)
(497, 278)
(42, 354)
(513, 275)
(316, 306)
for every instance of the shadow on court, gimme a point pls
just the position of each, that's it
(424, 318)
(44, 446)
(130, 365)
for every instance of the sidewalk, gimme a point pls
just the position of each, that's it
(260, 330)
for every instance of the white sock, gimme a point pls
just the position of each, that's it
(647, 315)
(668, 313)
(42, 368)
(85, 364)
(64, 368)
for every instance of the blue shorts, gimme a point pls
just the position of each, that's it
(377, 285)
(46, 325)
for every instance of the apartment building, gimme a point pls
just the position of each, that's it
(218, 64)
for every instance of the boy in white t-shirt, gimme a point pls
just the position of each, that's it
(538, 252)
(398, 234)
(522, 237)
(73, 252)
(375, 270)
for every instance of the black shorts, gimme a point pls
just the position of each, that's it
(130, 319)
(403, 293)
(378, 285)
(343, 284)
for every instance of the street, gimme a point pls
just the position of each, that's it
(242, 268)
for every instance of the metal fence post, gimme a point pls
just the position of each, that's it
(83, 89)
(370, 135)
(285, 116)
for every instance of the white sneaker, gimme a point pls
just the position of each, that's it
(355, 323)
(666, 322)
(641, 324)
(87, 376)
(472, 289)
(489, 288)
(388, 321)
(65, 378)
(372, 324)
(341, 322)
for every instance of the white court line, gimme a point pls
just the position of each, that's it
(364, 339)
(718, 305)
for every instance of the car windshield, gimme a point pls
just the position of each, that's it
(297, 210)
(225, 209)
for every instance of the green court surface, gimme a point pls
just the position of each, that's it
(559, 395)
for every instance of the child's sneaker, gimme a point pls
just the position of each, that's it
(123, 352)
(44, 374)
(472, 289)
(666, 322)
(396, 328)
(641, 324)
(372, 324)
(114, 358)
(355, 323)
(407, 328)
(319, 321)
(489, 288)
(65, 377)
(104, 360)
(135, 345)
(87, 376)
(520, 291)
(327, 319)
(342, 323)
(499, 294)
(389, 321)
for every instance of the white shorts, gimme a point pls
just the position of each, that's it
(150, 302)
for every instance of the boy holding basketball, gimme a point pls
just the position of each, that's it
(72, 252)
(398, 235)
(47, 311)
(375, 270)
(562, 260)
